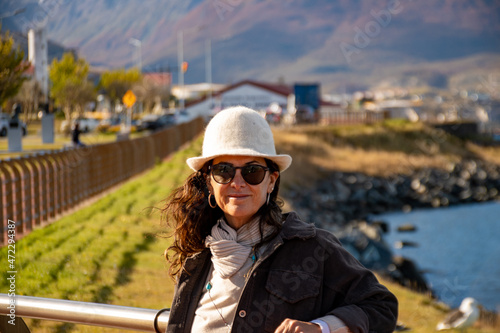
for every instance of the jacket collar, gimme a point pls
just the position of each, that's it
(294, 227)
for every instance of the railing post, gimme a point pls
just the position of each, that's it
(43, 188)
(7, 210)
(35, 189)
(26, 195)
(92, 172)
(49, 186)
(17, 197)
(63, 180)
(58, 166)
(127, 158)
(99, 162)
(109, 159)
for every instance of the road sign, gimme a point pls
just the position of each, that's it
(129, 98)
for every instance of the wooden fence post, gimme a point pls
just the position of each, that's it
(35, 189)
(49, 186)
(26, 201)
(7, 210)
(17, 196)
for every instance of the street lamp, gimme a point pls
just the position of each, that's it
(208, 68)
(180, 60)
(138, 44)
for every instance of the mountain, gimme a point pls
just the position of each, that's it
(345, 45)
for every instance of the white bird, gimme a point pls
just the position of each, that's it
(464, 317)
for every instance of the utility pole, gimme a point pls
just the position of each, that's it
(208, 68)
(180, 60)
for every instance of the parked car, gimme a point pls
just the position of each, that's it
(305, 114)
(182, 116)
(108, 123)
(86, 125)
(121, 125)
(154, 122)
(4, 125)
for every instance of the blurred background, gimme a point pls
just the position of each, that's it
(390, 109)
(441, 53)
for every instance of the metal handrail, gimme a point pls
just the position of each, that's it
(104, 315)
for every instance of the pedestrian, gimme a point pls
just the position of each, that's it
(241, 265)
(75, 136)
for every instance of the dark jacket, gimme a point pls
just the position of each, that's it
(303, 274)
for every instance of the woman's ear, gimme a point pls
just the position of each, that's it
(273, 177)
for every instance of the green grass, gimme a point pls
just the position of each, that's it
(395, 135)
(108, 252)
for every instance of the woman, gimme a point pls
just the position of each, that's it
(243, 266)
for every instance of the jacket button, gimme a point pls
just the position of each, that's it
(242, 313)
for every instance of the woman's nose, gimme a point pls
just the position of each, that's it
(238, 179)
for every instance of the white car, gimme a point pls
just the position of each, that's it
(86, 124)
(4, 124)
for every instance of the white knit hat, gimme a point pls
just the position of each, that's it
(238, 131)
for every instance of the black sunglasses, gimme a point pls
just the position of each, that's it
(253, 174)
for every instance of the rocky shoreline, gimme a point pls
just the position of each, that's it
(346, 202)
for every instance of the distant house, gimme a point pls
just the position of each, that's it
(195, 91)
(253, 94)
(159, 79)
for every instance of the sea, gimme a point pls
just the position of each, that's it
(457, 248)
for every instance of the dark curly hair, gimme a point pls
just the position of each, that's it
(189, 215)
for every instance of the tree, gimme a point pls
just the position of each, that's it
(12, 68)
(70, 87)
(117, 82)
(151, 93)
(29, 95)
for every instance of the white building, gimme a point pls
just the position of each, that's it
(255, 95)
(196, 90)
(38, 57)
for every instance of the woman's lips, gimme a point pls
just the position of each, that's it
(238, 196)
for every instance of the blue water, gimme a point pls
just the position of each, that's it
(458, 248)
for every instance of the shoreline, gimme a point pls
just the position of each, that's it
(351, 201)
(453, 246)
(342, 197)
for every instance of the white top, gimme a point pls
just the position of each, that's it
(225, 294)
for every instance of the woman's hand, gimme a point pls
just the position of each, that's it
(295, 326)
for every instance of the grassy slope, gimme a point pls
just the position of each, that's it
(106, 252)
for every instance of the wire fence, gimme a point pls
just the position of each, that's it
(36, 189)
(335, 117)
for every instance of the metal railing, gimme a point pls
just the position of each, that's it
(39, 188)
(95, 314)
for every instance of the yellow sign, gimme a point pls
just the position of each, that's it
(129, 98)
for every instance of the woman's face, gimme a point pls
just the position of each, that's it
(239, 200)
